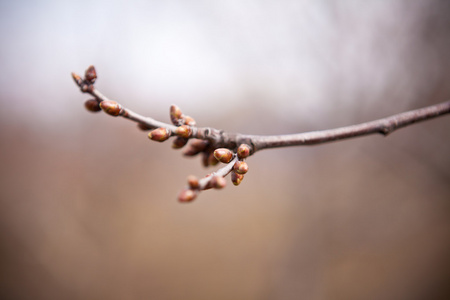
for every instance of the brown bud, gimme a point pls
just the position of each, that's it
(111, 107)
(212, 159)
(243, 151)
(218, 182)
(193, 182)
(183, 131)
(199, 145)
(223, 155)
(92, 105)
(143, 127)
(179, 142)
(187, 195)
(90, 75)
(77, 78)
(189, 121)
(176, 116)
(190, 151)
(205, 159)
(240, 167)
(159, 135)
(236, 178)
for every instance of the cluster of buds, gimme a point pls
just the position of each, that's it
(186, 136)
(235, 165)
(86, 84)
(183, 129)
(110, 107)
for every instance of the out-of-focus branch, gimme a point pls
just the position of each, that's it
(232, 149)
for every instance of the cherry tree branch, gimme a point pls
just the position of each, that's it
(382, 126)
(233, 149)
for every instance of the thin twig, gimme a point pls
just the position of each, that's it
(383, 126)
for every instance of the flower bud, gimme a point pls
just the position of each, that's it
(243, 151)
(218, 182)
(212, 159)
(77, 78)
(205, 159)
(240, 167)
(193, 182)
(223, 155)
(111, 107)
(189, 121)
(90, 75)
(187, 195)
(143, 126)
(183, 131)
(199, 145)
(159, 135)
(236, 178)
(92, 105)
(179, 142)
(176, 116)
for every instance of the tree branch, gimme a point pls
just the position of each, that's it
(233, 148)
(383, 126)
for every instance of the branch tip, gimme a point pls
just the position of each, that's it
(187, 195)
(91, 74)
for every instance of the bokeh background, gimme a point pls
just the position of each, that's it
(88, 204)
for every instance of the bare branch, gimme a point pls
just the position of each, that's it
(233, 148)
(383, 126)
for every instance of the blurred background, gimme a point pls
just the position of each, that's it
(88, 205)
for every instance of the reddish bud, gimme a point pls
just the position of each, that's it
(159, 135)
(90, 75)
(77, 78)
(223, 155)
(184, 131)
(240, 167)
(218, 182)
(189, 121)
(143, 127)
(190, 151)
(205, 159)
(187, 195)
(179, 142)
(193, 182)
(236, 178)
(199, 145)
(195, 147)
(92, 105)
(176, 116)
(212, 159)
(111, 107)
(243, 151)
